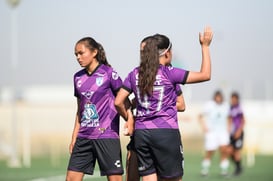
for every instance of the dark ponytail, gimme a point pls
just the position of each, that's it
(148, 68)
(92, 45)
(101, 55)
(155, 46)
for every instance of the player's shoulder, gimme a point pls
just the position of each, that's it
(166, 68)
(104, 69)
(109, 71)
(80, 73)
(134, 72)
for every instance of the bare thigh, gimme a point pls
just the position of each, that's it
(114, 178)
(74, 176)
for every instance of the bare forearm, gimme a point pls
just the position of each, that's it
(205, 71)
(206, 63)
(122, 111)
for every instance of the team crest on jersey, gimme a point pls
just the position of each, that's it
(99, 81)
(90, 116)
(114, 75)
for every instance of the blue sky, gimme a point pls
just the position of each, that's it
(48, 29)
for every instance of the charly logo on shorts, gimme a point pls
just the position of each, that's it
(141, 168)
(117, 163)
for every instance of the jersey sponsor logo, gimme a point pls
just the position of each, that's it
(118, 164)
(99, 81)
(90, 116)
(88, 94)
(115, 75)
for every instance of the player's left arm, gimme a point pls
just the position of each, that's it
(120, 103)
(180, 103)
(239, 131)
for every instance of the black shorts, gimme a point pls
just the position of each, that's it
(159, 151)
(131, 144)
(237, 144)
(106, 151)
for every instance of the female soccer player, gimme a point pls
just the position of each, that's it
(214, 122)
(131, 161)
(236, 128)
(157, 138)
(96, 130)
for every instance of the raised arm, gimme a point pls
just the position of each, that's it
(205, 72)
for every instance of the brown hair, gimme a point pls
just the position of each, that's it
(91, 44)
(149, 62)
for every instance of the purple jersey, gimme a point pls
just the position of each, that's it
(178, 90)
(236, 115)
(96, 92)
(159, 109)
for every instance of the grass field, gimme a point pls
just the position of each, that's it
(41, 170)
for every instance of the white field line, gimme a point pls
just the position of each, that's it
(62, 177)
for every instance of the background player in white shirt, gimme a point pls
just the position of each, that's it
(213, 121)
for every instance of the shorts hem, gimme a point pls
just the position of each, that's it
(171, 177)
(76, 170)
(111, 173)
(147, 173)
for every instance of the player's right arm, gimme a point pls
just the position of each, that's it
(202, 123)
(205, 72)
(76, 127)
(239, 131)
(202, 116)
(229, 124)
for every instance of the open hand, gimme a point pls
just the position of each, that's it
(206, 37)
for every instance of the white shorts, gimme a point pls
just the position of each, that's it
(215, 139)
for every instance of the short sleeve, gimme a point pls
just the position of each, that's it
(127, 84)
(115, 81)
(76, 94)
(177, 75)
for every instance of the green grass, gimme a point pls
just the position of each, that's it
(42, 168)
(261, 171)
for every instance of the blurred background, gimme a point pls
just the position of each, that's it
(37, 63)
